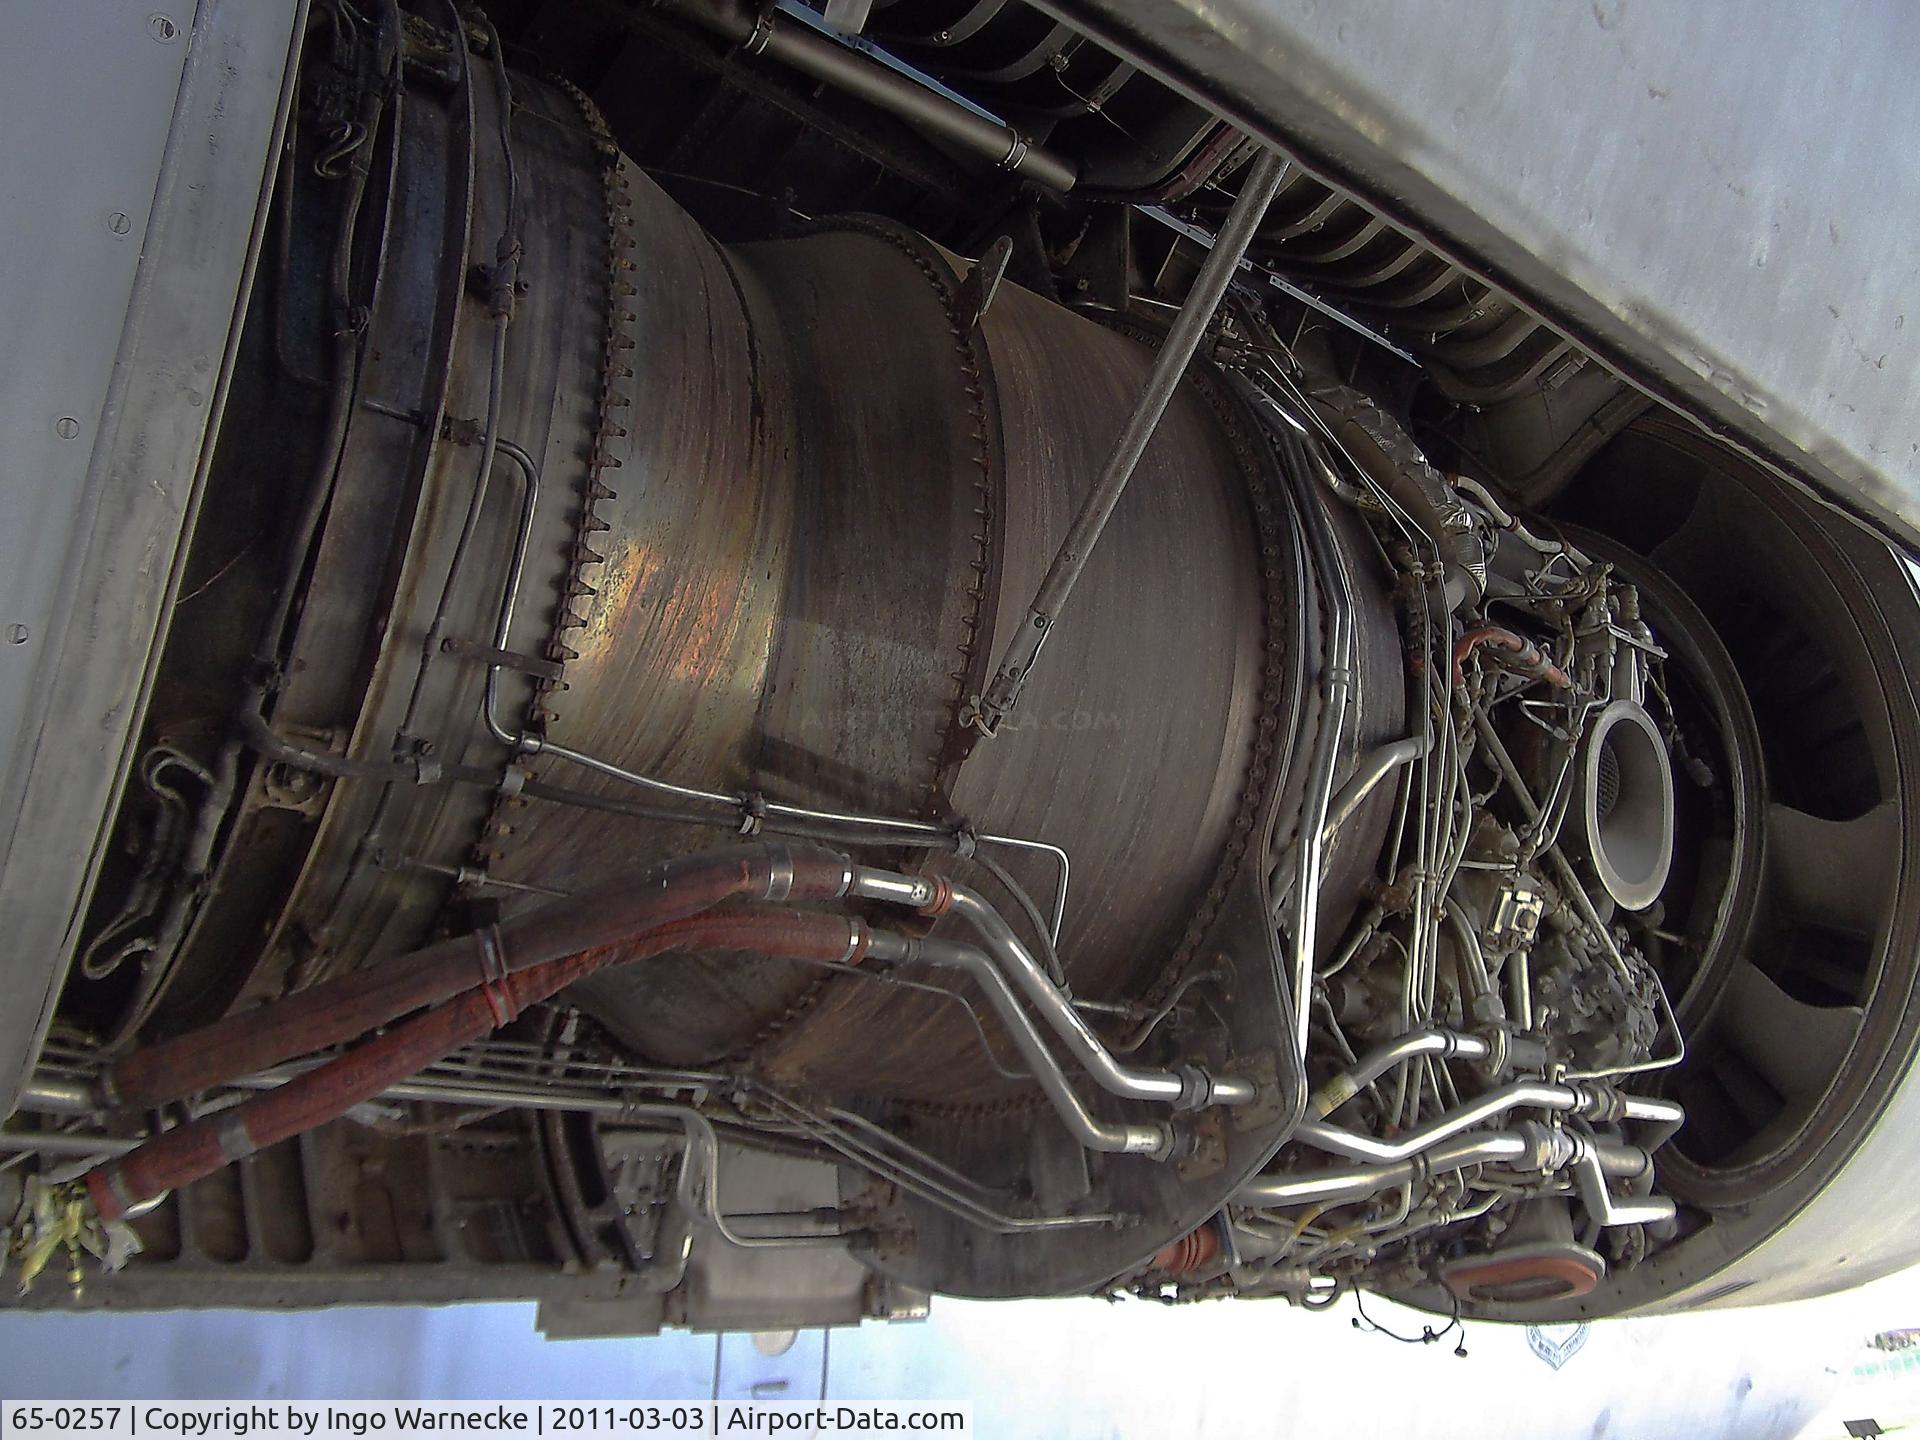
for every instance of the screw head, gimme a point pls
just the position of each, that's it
(66, 427)
(162, 28)
(17, 634)
(119, 222)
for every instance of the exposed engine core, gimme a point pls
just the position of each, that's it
(754, 747)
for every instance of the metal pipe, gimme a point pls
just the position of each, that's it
(1347, 1184)
(47, 1096)
(1336, 694)
(1535, 1093)
(1374, 767)
(1507, 520)
(1169, 367)
(1435, 1041)
(813, 54)
(618, 1104)
(64, 1143)
(1607, 1211)
(349, 1005)
(1153, 1140)
(523, 536)
(1187, 1088)
(180, 1156)
(1473, 960)
(1666, 1117)
(1520, 989)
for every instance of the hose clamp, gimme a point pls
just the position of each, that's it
(753, 813)
(761, 35)
(780, 874)
(1016, 152)
(856, 950)
(493, 975)
(230, 1132)
(114, 1180)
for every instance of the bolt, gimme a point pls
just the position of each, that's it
(162, 28)
(119, 222)
(17, 634)
(66, 427)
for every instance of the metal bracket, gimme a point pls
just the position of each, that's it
(983, 283)
(505, 659)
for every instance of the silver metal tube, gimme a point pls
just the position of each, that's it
(1354, 1146)
(1187, 1088)
(1622, 1162)
(1666, 1116)
(1440, 1043)
(56, 1142)
(801, 48)
(523, 536)
(1520, 989)
(1169, 367)
(1347, 1184)
(1336, 694)
(1155, 1140)
(1473, 959)
(1190, 1089)
(46, 1096)
(1376, 765)
(892, 888)
(1590, 1180)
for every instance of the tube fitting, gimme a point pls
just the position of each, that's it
(912, 892)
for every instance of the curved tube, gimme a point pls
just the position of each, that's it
(183, 1155)
(1440, 1043)
(349, 1006)
(1188, 1088)
(1534, 1093)
(1505, 519)
(1527, 658)
(1590, 1168)
(1473, 961)
(413, 770)
(1155, 1140)
(1374, 767)
(1498, 513)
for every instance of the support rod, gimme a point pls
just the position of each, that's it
(1169, 366)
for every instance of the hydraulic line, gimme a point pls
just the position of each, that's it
(192, 1151)
(349, 1006)
(1187, 1087)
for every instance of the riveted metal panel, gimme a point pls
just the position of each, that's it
(130, 190)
